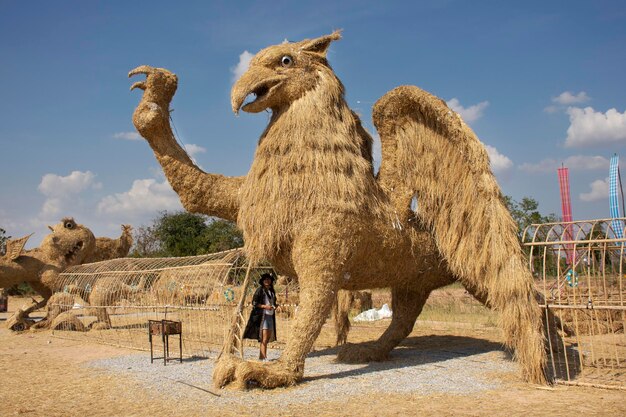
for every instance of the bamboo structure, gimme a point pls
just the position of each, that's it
(115, 299)
(584, 301)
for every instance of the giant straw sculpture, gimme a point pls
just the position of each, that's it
(312, 205)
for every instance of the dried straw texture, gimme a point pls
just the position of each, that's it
(199, 192)
(313, 207)
(67, 321)
(57, 304)
(107, 248)
(447, 168)
(347, 301)
(68, 244)
(341, 315)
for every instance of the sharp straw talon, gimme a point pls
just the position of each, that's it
(143, 69)
(139, 84)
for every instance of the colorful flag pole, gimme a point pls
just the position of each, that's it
(566, 209)
(615, 188)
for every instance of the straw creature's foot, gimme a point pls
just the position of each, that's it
(362, 353)
(100, 325)
(241, 374)
(19, 322)
(224, 371)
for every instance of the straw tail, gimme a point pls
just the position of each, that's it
(199, 192)
(430, 154)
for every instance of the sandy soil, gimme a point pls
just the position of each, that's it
(46, 376)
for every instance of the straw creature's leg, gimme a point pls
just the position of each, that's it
(20, 320)
(341, 313)
(317, 289)
(99, 299)
(57, 304)
(407, 305)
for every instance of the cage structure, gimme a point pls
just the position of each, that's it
(580, 271)
(114, 300)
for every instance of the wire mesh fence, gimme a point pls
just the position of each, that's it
(580, 267)
(114, 300)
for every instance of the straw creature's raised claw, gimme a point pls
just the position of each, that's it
(159, 85)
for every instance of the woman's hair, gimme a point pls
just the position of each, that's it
(265, 276)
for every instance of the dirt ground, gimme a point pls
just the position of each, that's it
(42, 375)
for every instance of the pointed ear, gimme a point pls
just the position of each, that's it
(320, 45)
(50, 227)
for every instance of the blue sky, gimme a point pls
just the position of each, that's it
(541, 83)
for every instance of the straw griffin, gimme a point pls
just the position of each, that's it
(313, 205)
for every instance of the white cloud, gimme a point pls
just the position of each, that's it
(242, 66)
(52, 207)
(471, 113)
(567, 98)
(552, 109)
(499, 162)
(127, 135)
(62, 193)
(599, 191)
(193, 150)
(145, 196)
(574, 163)
(589, 128)
(53, 185)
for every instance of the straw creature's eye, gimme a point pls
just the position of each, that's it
(69, 225)
(286, 61)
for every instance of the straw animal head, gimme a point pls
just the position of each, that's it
(127, 229)
(281, 74)
(69, 242)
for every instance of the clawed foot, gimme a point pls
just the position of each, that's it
(361, 353)
(19, 322)
(230, 370)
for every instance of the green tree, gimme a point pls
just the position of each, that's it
(181, 233)
(146, 244)
(526, 213)
(185, 234)
(222, 235)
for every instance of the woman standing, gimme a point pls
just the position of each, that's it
(262, 322)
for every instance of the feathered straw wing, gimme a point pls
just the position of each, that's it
(429, 153)
(15, 247)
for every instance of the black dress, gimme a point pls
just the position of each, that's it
(253, 327)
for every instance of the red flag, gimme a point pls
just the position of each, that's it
(566, 209)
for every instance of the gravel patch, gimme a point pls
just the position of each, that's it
(464, 370)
